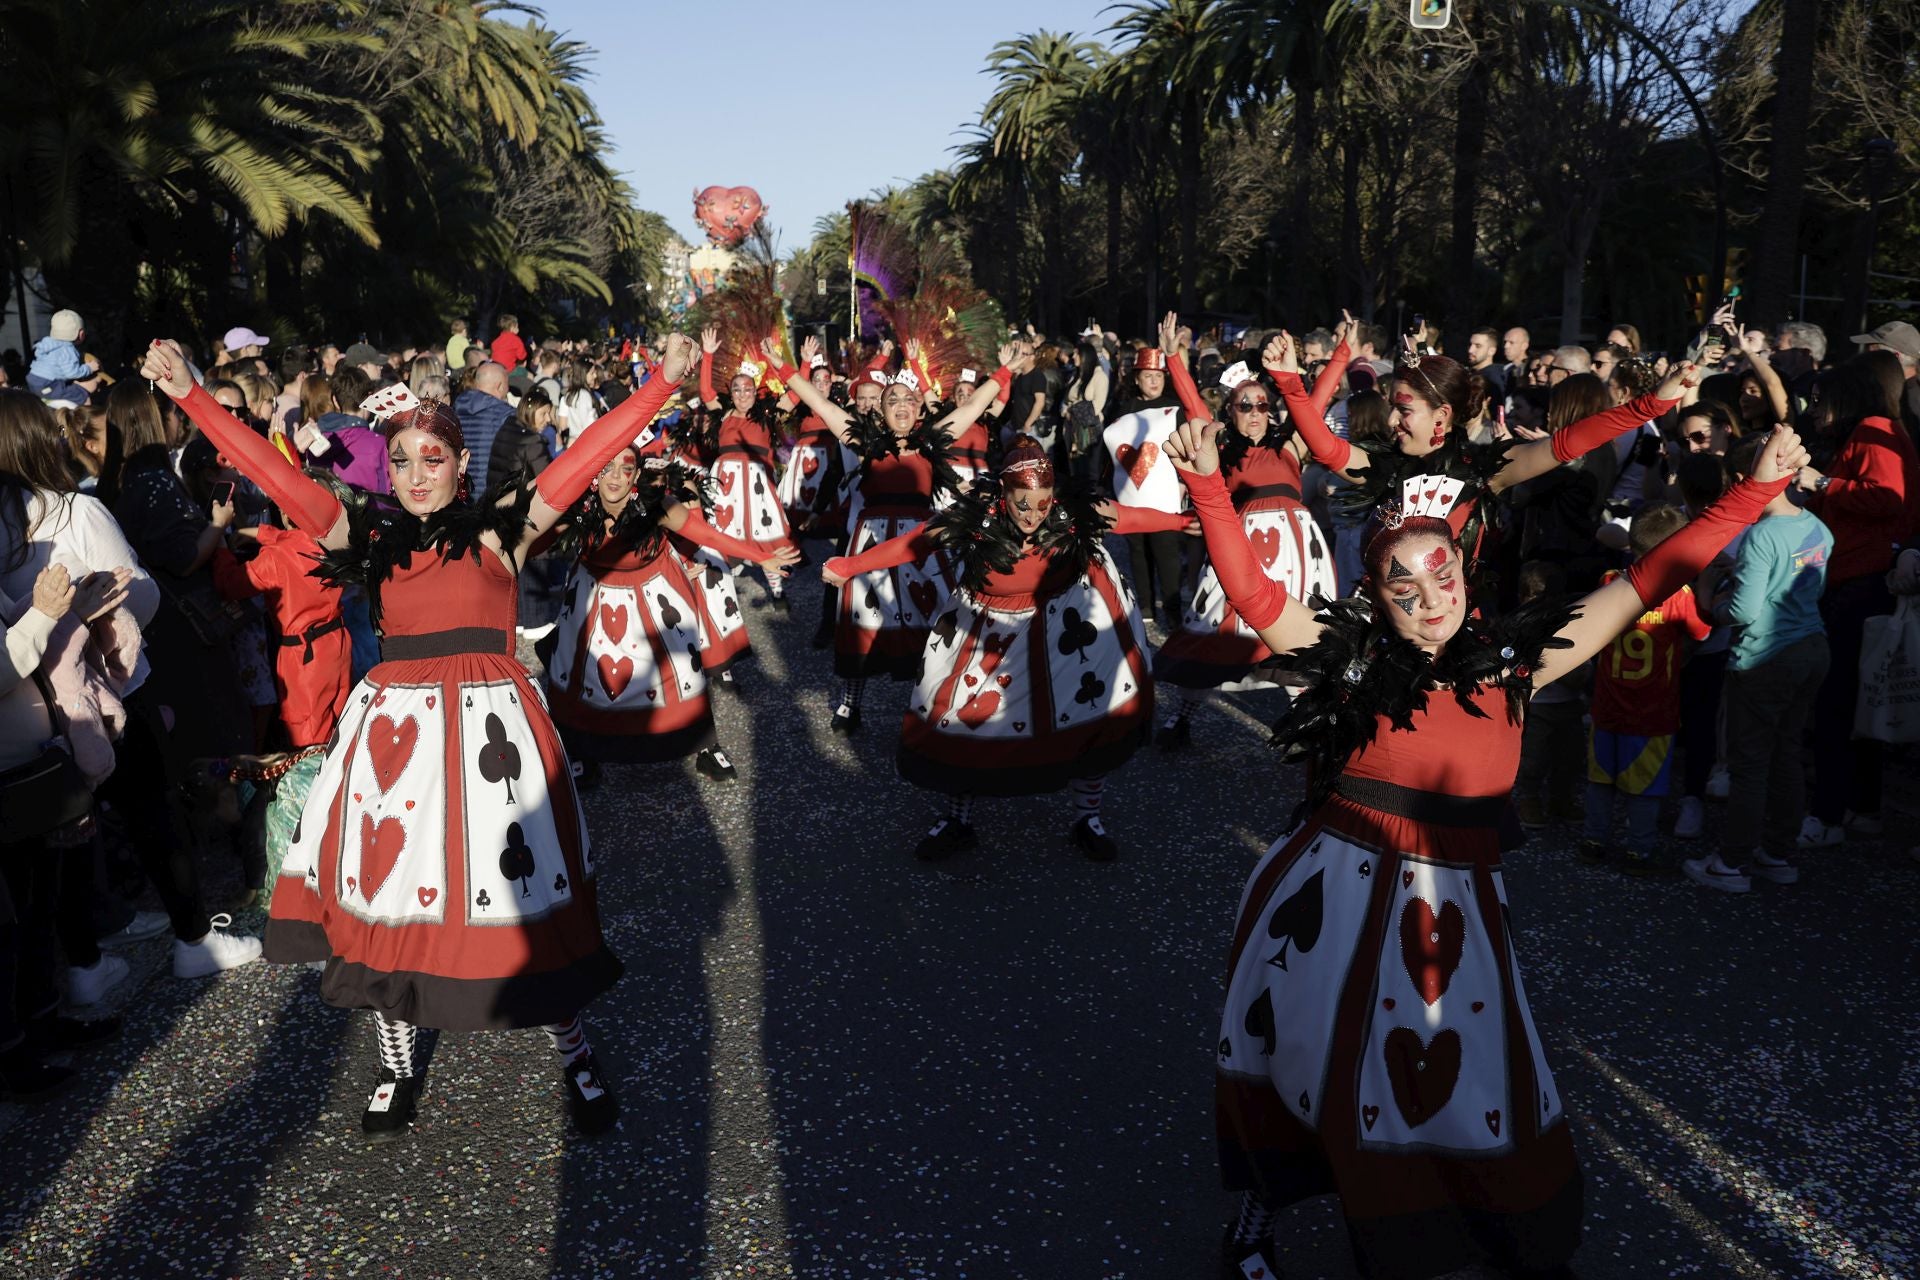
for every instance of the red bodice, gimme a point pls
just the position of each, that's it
(1448, 751)
(1265, 480)
(894, 478)
(432, 595)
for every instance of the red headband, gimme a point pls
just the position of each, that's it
(1026, 467)
(431, 417)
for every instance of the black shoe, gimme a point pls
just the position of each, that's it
(1241, 1261)
(823, 637)
(714, 764)
(589, 1100)
(845, 720)
(726, 681)
(1591, 852)
(390, 1108)
(1174, 736)
(59, 1035)
(946, 839)
(23, 1076)
(586, 775)
(1092, 839)
(780, 604)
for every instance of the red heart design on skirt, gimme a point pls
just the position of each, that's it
(926, 598)
(380, 846)
(1423, 1074)
(1406, 879)
(1004, 681)
(615, 675)
(431, 701)
(809, 463)
(972, 680)
(409, 804)
(390, 746)
(652, 694)
(723, 515)
(426, 894)
(351, 884)
(1019, 726)
(726, 481)
(613, 622)
(1493, 1121)
(1478, 1005)
(1387, 1003)
(1369, 1115)
(1430, 945)
(980, 709)
(1267, 543)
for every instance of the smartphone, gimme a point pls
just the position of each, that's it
(223, 493)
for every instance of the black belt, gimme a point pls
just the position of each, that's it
(1259, 491)
(311, 634)
(446, 644)
(1422, 806)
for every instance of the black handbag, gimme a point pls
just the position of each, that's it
(44, 794)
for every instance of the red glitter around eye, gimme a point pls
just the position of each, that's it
(1435, 559)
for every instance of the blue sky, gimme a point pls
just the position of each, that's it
(810, 103)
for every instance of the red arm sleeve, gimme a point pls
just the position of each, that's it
(1679, 559)
(919, 368)
(905, 549)
(1588, 434)
(1876, 492)
(1003, 378)
(1147, 520)
(568, 475)
(1254, 596)
(1189, 393)
(1328, 449)
(1329, 379)
(707, 394)
(306, 503)
(230, 576)
(697, 530)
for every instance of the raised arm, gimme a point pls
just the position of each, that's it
(1324, 447)
(1125, 520)
(836, 419)
(1607, 612)
(1329, 380)
(1283, 624)
(1756, 349)
(1183, 384)
(569, 476)
(970, 410)
(691, 525)
(709, 344)
(1537, 457)
(908, 548)
(307, 503)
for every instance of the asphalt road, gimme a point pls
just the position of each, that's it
(835, 1062)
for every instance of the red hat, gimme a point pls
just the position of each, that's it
(1149, 358)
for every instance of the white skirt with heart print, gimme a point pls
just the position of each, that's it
(723, 625)
(746, 502)
(1215, 648)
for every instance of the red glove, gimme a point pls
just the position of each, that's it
(306, 503)
(1588, 434)
(1683, 555)
(569, 475)
(1328, 449)
(697, 530)
(1148, 520)
(1329, 380)
(1183, 386)
(1254, 596)
(908, 548)
(707, 394)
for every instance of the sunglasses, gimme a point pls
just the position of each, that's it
(1253, 406)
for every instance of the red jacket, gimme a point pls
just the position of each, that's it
(507, 349)
(313, 666)
(1872, 499)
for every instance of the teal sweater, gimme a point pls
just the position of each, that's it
(1777, 583)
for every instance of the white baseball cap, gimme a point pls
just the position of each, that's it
(241, 336)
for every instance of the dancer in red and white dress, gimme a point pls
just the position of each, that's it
(883, 617)
(746, 499)
(1376, 1040)
(626, 677)
(441, 868)
(1037, 674)
(1215, 648)
(811, 486)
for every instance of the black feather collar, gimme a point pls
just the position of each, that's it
(980, 538)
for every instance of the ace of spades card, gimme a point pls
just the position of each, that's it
(1434, 1062)
(513, 852)
(1288, 979)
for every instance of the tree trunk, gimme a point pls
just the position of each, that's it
(1192, 128)
(1115, 212)
(1352, 270)
(1469, 146)
(1300, 202)
(1777, 238)
(1581, 226)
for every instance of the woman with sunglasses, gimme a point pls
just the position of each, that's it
(1260, 461)
(1035, 676)
(883, 616)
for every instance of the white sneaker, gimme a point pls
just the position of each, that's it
(144, 925)
(1767, 867)
(214, 952)
(87, 986)
(1863, 824)
(1815, 834)
(1693, 814)
(1715, 874)
(537, 633)
(1718, 783)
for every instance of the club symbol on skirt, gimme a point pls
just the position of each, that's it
(669, 616)
(1091, 687)
(516, 860)
(499, 758)
(1076, 634)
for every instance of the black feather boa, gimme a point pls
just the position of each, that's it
(383, 537)
(869, 436)
(977, 535)
(639, 527)
(1359, 671)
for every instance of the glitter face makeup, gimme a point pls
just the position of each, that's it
(1435, 560)
(1397, 570)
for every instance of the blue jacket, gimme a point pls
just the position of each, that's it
(57, 360)
(481, 417)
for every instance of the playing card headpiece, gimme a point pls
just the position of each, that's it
(395, 409)
(387, 401)
(1237, 375)
(876, 376)
(748, 369)
(908, 379)
(1149, 358)
(969, 377)
(818, 362)
(1026, 466)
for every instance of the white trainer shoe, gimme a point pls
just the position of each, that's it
(1863, 824)
(217, 951)
(1764, 865)
(88, 986)
(1718, 783)
(144, 925)
(1692, 819)
(1815, 834)
(1715, 874)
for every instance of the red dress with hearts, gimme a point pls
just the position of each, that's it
(746, 502)
(1214, 648)
(818, 460)
(442, 867)
(1376, 1040)
(880, 627)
